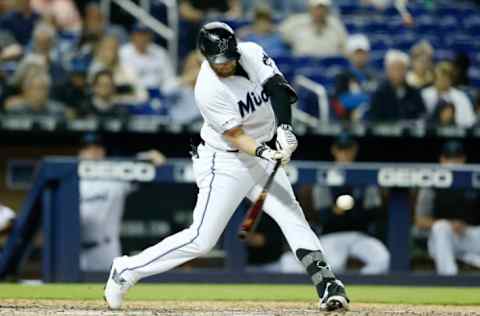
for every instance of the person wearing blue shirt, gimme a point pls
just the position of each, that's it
(264, 33)
(20, 22)
(354, 85)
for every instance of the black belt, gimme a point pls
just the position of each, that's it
(228, 150)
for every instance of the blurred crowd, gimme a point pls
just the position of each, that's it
(65, 59)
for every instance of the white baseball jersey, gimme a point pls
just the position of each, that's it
(234, 101)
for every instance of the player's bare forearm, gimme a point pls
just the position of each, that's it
(237, 137)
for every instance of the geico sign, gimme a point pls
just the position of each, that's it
(126, 171)
(415, 177)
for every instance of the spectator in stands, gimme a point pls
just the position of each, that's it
(62, 13)
(103, 101)
(421, 74)
(400, 5)
(318, 33)
(263, 31)
(477, 108)
(452, 218)
(193, 13)
(10, 50)
(20, 22)
(461, 65)
(198, 11)
(443, 115)
(101, 207)
(345, 216)
(354, 85)
(184, 109)
(7, 218)
(150, 62)
(442, 91)
(126, 78)
(74, 93)
(43, 54)
(34, 100)
(395, 99)
(95, 27)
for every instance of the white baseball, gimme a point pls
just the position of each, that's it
(345, 202)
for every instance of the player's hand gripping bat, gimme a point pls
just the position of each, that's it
(253, 214)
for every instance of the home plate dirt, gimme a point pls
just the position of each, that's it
(220, 308)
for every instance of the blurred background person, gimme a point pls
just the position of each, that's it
(151, 64)
(263, 31)
(317, 33)
(62, 13)
(101, 208)
(34, 99)
(128, 84)
(193, 13)
(95, 27)
(74, 93)
(10, 52)
(265, 246)
(184, 110)
(442, 91)
(346, 217)
(20, 21)
(354, 85)
(477, 107)
(451, 216)
(443, 115)
(7, 218)
(103, 101)
(421, 73)
(43, 53)
(400, 5)
(461, 66)
(395, 99)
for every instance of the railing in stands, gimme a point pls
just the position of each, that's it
(141, 12)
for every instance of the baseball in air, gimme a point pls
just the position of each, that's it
(345, 202)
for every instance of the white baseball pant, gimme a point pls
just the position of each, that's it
(223, 179)
(444, 245)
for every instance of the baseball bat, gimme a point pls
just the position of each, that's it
(253, 214)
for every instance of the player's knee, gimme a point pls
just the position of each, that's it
(204, 247)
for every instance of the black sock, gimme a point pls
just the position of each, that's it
(317, 268)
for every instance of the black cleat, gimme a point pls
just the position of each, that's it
(334, 298)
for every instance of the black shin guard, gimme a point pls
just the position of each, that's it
(317, 268)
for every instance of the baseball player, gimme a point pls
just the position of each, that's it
(244, 101)
(101, 208)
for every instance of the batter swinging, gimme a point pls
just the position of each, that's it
(242, 97)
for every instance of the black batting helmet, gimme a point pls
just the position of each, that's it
(217, 42)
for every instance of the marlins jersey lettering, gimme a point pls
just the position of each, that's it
(234, 101)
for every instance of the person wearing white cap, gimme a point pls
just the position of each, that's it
(354, 85)
(317, 33)
(395, 100)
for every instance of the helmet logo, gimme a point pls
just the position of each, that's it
(223, 45)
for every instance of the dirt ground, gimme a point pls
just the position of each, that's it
(218, 308)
